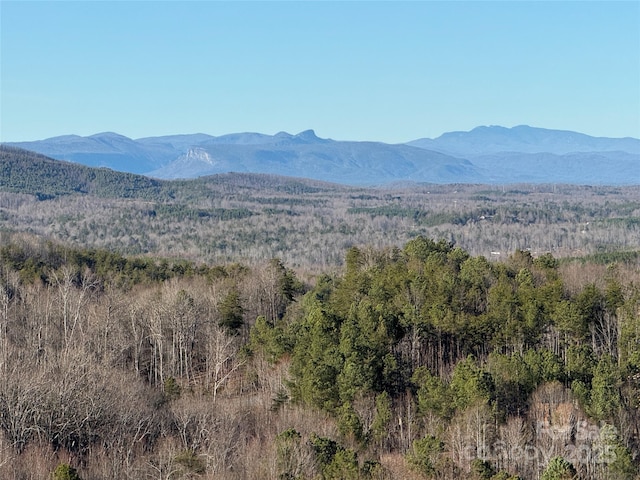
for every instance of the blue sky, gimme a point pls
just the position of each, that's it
(385, 71)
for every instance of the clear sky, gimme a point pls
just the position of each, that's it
(384, 71)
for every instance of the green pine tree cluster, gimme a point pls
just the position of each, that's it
(457, 333)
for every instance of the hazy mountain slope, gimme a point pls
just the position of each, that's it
(178, 143)
(494, 139)
(250, 138)
(482, 155)
(584, 168)
(355, 163)
(104, 150)
(147, 154)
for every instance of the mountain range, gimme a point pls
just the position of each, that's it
(490, 154)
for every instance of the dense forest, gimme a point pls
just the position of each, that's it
(419, 362)
(257, 327)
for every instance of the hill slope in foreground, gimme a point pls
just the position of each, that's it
(482, 155)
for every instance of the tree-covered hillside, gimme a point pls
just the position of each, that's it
(415, 362)
(28, 172)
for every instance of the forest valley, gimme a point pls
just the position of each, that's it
(308, 224)
(412, 361)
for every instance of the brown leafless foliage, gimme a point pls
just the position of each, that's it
(313, 229)
(84, 363)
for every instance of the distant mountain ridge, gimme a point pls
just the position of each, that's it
(525, 139)
(490, 154)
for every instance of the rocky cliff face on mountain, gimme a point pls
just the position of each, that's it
(483, 155)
